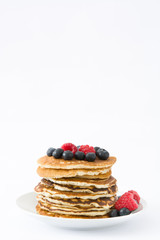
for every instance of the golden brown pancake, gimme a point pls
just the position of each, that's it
(51, 214)
(40, 198)
(99, 176)
(84, 182)
(59, 173)
(51, 162)
(103, 202)
(51, 191)
(83, 212)
(108, 190)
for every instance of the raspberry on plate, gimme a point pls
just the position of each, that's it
(69, 146)
(135, 195)
(86, 149)
(126, 201)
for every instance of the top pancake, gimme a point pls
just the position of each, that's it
(51, 162)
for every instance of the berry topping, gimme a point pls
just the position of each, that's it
(67, 155)
(102, 154)
(80, 155)
(58, 153)
(113, 213)
(90, 157)
(86, 149)
(124, 211)
(69, 146)
(50, 151)
(80, 152)
(126, 201)
(135, 196)
(96, 148)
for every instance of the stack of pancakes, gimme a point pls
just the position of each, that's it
(75, 188)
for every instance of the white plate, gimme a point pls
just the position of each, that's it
(27, 203)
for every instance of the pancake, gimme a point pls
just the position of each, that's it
(51, 162)
(59, 173)
(51, 191)
(51, 214)
(40, 198)
(84, 182)
(78, 212)
(109, 190)
(99, 176)
(104, 202)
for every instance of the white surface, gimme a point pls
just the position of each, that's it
(84, 72)
(27, 202)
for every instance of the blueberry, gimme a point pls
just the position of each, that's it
(102, 154)
(78, 146)
(124, 211)
(58, 153)
(96, 148)
(80, 155)
(67, 155)
(50, 151)
(90, 157)
(113, 213)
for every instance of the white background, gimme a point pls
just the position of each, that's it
(85, 72)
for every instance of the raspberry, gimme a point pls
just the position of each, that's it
(126, 201)
(86, 149)
(135, 195)
(69, 146)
